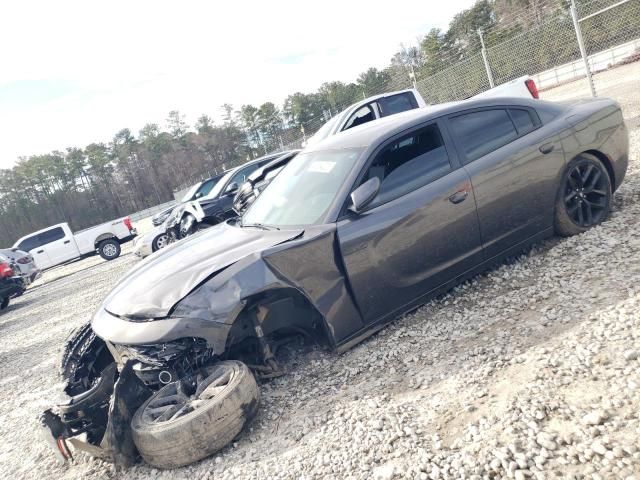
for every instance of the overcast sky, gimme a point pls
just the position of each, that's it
(72, 73)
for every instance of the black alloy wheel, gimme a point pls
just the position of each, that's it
(587, 192)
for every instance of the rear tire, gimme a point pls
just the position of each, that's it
(584, 196)
(109, 249)
(4, 303)
(209, 424)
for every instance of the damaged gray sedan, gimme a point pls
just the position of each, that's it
(353, 232)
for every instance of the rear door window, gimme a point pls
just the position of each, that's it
(397, 103)
(363, 115)
(51, 235)
(482, 132)
(29, 243)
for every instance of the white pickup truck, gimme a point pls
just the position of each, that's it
(58, 244)
(391, 103)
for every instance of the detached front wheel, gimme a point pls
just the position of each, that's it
(193, 418)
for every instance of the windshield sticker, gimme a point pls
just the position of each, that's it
(322, 166)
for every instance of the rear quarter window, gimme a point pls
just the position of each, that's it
(523, 120)
(397, 103)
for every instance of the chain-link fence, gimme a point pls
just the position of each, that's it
(542, 43)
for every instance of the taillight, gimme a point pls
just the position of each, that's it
(531, 86)
(5, 270)
(24, 260)
(127, 223)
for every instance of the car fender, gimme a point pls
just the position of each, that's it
(309, 264)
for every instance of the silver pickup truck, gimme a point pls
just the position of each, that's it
(57, 244)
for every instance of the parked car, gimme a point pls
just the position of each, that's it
(391, 103)
(11, 284)
(199, 190)
(25, 264)
(157, 238)
(152, 241)
(215, 207)
(258, 181)
(353, 232)
(58, 244)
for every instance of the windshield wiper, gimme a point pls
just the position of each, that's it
(262, 226)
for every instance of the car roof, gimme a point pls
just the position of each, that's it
(371, 132)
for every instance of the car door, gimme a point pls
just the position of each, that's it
(58, 244)
(513, 163)
(32, 245)
(420, 231)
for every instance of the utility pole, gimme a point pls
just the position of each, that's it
(583, 51)
(485, 58)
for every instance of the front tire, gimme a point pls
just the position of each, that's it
(191, 419)
(109, 249)
(584, 196)
(159, 242)
(4, 303)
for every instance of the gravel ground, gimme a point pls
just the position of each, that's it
(529, 371)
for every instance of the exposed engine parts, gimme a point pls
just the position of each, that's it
(158, 365)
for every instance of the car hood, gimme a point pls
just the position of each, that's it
(155, 285)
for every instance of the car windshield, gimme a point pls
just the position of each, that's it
(191, 192)
(304, 190)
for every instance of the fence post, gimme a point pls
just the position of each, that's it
(486, 60)
(583, 51)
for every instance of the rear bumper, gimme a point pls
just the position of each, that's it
(142, 248)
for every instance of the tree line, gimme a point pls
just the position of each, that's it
(86, 186)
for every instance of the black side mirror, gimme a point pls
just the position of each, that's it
(362, 196)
